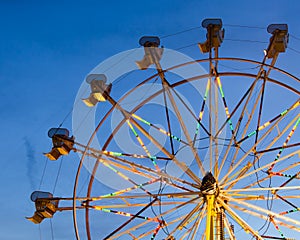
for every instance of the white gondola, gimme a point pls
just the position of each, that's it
(45, 206)
(153, 53)
(62, 143)
(99, 89)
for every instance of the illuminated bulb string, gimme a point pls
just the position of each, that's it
(218, 80)
(123, 176)
(159, 129)
(277, 227)
(156, 231)
(202, 110)
(119, 154)
(290, 211)
(129, 189)
(269, 122)
(125, 214)
(285, 143)
(143, 145)
(281, 174)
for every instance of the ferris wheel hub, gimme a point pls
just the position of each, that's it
(209, 185)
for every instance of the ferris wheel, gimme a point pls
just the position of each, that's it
(185, 150)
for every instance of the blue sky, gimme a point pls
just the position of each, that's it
(48, 47)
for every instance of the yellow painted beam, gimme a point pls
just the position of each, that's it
(210, 199)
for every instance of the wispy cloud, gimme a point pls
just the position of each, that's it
(30, 163)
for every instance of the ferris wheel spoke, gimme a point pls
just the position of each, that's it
(143, 145)
(264, 217)
(264, 211)
(131, 229)
(129, 168)
(167, 133)
(130, 188)
(131, 218)
(167, 115)
(238, 175)
(192, 231)
(246, 97)
(187, 217)
(244, 175)
(175, 195)
(130, 155)
(278, 148)
(239, 220)
(127, 204)
(147, 233)
(247, 211)
(106, 164)
(201, 113)
(199, 124)
(228, 114)
(237, 164)
(261, 102)
(285, 142)
(256, 183)
(198, 120)
(251, 114)
(182, 195)
(233, 112)
(180, 164)
(125, 214)
(261, 127)
(184, 128)
(134, 169)
(279, 135)
(195, 218)
(166, 88)
(118, 154)
(286, 182)
(153, 232)
(210, 120)
(249, 95)
(277, 227)
(260, 189)
(290, 211)
(232, 140)
(246, 196)
(215, 162)
(286, 201)
(269, 176)
(259, 197)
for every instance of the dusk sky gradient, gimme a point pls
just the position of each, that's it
(48, 47)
